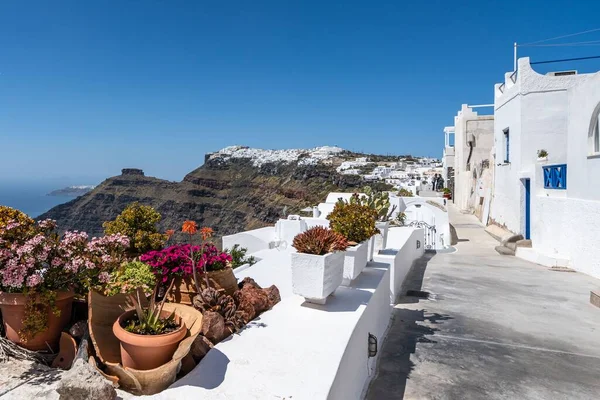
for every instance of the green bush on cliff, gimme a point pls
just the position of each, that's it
(138, 222)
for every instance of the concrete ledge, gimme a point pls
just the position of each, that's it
(595, 298)
(531, 255)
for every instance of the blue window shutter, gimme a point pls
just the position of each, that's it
(555, 176)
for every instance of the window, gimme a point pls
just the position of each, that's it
(507, 145)
(555, 176)
(596, 136)
(594, 133)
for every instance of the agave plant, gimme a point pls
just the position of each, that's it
(149, 320)
(319, 241)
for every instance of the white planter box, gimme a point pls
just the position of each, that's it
(381, 238)
(316, 277)
(542, 159)
(355, 261)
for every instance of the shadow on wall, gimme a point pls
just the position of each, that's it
(408, 328)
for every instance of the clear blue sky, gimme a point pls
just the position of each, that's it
(87, 88)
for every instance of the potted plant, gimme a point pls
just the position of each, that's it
(130, 277)
(186, 262)
(542, 155)
(318, 265)
(149, 336)
(447, 193)
(40, 272)
(356, 222)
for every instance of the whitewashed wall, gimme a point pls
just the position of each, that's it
(417, 209)
(534, 109)
(551, 113)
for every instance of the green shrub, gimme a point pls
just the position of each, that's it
(131, 276)
(354, 221)
(238, 256)
(138, 223)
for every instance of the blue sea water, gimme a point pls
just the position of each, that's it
(31, 198)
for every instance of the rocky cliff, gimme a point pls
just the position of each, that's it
(236, 189)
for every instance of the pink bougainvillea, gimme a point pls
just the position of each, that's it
(176, 260)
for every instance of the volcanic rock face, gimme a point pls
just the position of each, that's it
(229, 193)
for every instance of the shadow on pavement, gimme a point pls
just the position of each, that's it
(408, 328)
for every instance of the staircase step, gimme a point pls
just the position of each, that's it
(595, 298)
(505, 251)
(524, 243)
(512, 246)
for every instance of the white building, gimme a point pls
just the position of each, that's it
(555, 202)
(448, 158)
(471, 157)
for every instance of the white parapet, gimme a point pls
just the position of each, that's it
(300, 350)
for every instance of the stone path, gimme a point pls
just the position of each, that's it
(493, 327)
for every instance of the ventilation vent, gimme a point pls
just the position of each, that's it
(562, 73)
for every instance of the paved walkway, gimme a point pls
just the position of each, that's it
(493, 327)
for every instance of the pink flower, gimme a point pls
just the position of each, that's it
(104, 277)
(34, 280)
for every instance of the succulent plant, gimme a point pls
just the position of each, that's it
(218, 301)
(319, 241)
(353, 220)
(379, 201)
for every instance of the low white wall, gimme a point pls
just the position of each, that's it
(568, 228)
(418, 209)
(254, 240)
(401, 252)
(299, 350)
(312, 222)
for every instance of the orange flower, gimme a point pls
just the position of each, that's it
(206, 232)
(170, 232)
(189, 227)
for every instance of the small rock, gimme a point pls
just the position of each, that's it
(251, 301)
(200, 346)
(78, 329)
(83, 382)
(213, 327)
(505, 251)
(247, 281)
(273, 295)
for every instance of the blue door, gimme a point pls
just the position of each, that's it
(527, 183)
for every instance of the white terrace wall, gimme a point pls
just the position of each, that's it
(533, 108)
(303, 351)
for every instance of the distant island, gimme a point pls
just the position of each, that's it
(72, 191)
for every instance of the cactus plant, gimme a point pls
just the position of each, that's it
(319, 241)
(378, 201)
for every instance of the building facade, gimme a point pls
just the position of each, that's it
(553, 199)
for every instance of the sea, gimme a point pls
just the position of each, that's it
(31, 197)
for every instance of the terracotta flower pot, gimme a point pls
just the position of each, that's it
(12, 306)
(184, 289)
(226, 279)
(144, 352)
